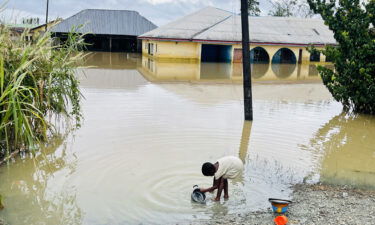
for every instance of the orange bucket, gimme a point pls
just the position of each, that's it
(281, 220)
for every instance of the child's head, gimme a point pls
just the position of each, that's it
(208, 169)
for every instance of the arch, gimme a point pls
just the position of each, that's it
(284, 55)
(259, 55)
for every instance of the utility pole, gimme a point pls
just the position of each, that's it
(47, 15)
(248, 101)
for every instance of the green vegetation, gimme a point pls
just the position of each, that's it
(253, 7)
(1, 202)
(352, 82)
(38, 90)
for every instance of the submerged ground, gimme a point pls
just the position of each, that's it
(147, 131)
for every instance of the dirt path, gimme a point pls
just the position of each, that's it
(316, 205)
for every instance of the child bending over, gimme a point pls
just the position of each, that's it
(228, 167)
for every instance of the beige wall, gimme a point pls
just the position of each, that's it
(156, 70)
(170, 70)
(192, 50)
(272, 49)
(173, 50)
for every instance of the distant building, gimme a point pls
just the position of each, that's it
(16, 30)
(41, 29)
(107, 30)
(214, 35)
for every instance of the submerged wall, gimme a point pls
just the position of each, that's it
(193, 50)
(272, 50)
(172, 50)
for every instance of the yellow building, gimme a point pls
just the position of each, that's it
(214, 35)
(41, 29)
(196, 72)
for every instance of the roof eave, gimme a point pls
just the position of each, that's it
(233, 42)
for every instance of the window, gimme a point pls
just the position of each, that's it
(151, 49)
(315, 56)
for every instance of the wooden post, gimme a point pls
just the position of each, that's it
(47, 15)
(248, 102)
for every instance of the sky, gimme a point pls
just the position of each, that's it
(159, 12)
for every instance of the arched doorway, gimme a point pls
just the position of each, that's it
(284, 55)
(259, 55)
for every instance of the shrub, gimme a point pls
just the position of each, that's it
(37, 86)
(352, 82)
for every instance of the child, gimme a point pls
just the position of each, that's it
(228, 167)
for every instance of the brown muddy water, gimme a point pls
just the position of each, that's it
(145, 136)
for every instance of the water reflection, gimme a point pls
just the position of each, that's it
(215, 71)
(313, 70)
(347, 143)
(283, 71)
(112, 60)
(115, 164)
(245, 138)
(164, 70)
(111, 70)
(32, 196)
(258, 70)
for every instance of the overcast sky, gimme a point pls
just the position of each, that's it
(159, 12)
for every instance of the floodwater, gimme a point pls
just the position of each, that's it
(150, 125)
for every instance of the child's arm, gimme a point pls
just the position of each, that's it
(215, 185)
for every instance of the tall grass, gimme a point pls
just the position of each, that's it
(38, 88)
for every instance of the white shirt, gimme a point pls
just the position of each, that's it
(229, 167)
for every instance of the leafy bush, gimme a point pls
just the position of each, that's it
(37, 86)
(352, 82)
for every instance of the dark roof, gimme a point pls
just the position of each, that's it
(110, 22)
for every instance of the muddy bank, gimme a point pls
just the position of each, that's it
(315, 204)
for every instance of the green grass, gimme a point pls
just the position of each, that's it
(38, 89)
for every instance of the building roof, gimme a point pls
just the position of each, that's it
(109, 22)
(215, 25)
(50, 23)
(191, 25)
(22, 25)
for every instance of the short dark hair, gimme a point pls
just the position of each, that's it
(208, 169)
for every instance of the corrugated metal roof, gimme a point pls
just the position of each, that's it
(279, 30)
(191, 25)
(111, 22)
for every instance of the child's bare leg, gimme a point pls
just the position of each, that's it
(226, 189)
(220, 189)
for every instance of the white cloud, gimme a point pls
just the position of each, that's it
(159, 12)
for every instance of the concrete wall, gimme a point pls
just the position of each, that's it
(173, 50)
(156, 70)
(192, 50)
(170, 70)
(272, 49)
